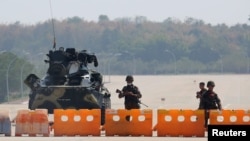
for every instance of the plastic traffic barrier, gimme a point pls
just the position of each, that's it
(73, 122)
(239, 117)
(135, 122)
(179, 122)
(32, 123)
(5, 124)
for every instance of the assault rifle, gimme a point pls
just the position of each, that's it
(120, 92)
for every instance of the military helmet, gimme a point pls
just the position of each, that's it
(210, 83)
(129, 78)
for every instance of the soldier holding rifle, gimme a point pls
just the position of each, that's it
(131, 93)
(210, 100)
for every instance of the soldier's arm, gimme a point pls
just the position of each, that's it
(203, 101)
(121, 95)
(198, 95)
(219, 106)
(128, 93)
(218, 101)
(138, 94)
(122, 92)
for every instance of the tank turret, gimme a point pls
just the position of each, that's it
(68, 83)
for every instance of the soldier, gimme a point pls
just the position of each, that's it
(210, 101)
(200, 93)
(131, 93)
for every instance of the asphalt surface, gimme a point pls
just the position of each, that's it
(159, 92)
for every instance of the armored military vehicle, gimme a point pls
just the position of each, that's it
(68, 83)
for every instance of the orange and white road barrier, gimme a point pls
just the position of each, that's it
(32, 123)
(71, 122)
(231, 117)
(135, 122)
(179, 122)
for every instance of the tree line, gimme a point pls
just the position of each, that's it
(132, 45)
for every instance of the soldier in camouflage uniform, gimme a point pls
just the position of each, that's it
(200, 93)
(131, 93)
(210, 101)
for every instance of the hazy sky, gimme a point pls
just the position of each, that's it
(230, 12)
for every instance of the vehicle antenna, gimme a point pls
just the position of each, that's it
(52, 20)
